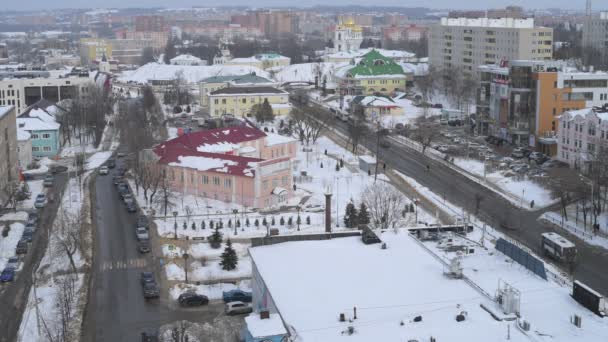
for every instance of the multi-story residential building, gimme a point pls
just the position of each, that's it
(150, 23)
(8, 149)
(239, 164)
(24, 92)
(214, 83)
(24, 148)
(125, 51)
(595, 33)
(520, 102)
(466, 43)
(372, 74)
(239, 101)
(268, 21)
(347, 36)
(410, 32)
(92, 49)
(581, 136)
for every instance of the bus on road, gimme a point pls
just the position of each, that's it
(557, 247)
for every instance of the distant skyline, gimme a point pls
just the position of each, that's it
(437, 4)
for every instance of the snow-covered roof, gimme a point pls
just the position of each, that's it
(389, 287)
(418, 69)
(395, 54)
(191, 73)
(270, 326)
(36, 124)
(187, 57)
(23, 135)
(306, 72)
(5, 110)
(375, 101)
(277, 139)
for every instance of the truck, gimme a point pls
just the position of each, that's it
(589, 298)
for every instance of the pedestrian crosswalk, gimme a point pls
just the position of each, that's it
(124, 264)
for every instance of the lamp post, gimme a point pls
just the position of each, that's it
(416, 205)
(186, 256)
(235, 211)
(175, 224)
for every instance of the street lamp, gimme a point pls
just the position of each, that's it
(175, 224)
(186, 256)
(235, 211)
(416, 205)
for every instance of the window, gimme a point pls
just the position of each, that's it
(35, 136)
(216, 101)
(244, 100)
(223, 101)
(35, 148)
(181, 177)
(227, 183)
(205, 179)
(275, 182)
(591, 148)
(216, 180)
(591, 129)
(284, 180)
(46, 149)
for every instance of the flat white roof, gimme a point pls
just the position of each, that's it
(271, 326)
(313, 282)
(558, 239)
(489, 22)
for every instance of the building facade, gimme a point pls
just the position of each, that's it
(8, 149)
(347, 36)
(239, 101)
(466, 43)
(24, 92)
(520, 102)
(24, 148)
(595, 33)
(582, 136)
(372, 74)
(239, 164)
(214, 83)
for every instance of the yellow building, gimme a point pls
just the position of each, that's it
(372, 74)
(239, 101)
(377, 107)
(92, 49)
(214, 83)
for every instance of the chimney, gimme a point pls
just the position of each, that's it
(264, 314)
(328, 210)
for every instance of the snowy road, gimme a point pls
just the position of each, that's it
(494, 209)
(117, 310)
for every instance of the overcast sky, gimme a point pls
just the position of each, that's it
(478, 4)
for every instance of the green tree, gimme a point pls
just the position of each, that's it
(263, 112)
(229, 257)
(170, 50)
(216, 239)
(351, 216)
(363, 217)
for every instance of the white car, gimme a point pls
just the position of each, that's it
(104, 170)
(238, 308)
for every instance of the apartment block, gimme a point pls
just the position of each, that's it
(582, 135)
(521, 101)
(8, 149)
(595, 32)
(466, 43)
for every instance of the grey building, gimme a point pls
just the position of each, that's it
(466, 43)
(595, 33)
(8, 149)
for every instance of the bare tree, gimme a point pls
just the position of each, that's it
(385, 204)
(11, 192)
(65, 299)
(166, 196)
(308, 128)
(564, 185)
(426, 132)
(67, 236)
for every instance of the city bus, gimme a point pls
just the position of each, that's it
(557, 247)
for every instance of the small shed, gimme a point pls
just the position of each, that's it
(367, 163)
(263, 327)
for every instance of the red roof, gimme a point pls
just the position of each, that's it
(186, 146)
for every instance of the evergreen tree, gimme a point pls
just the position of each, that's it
(211, 224)
(193, 225)
(216, 239)
(170, 51)
(256, 223)
(308, 220)
(282, 221)
(185, 226)
(188, 109)
(272, 222)
(229, 257)
(351, 218)
(363, 214)
(299, 220)
(238, 223)
(229, 223)
(202, 224)
(337, 167)
(290, 221)
(264, 222)
(221, 224)
(247, 221)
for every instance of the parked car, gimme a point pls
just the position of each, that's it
(120, 154)
(147, 277)
(118, 179)
(8, 274)
(104, 170)
(151, 290)
(142, 221)
(142, 234)
(32, 219)
(385, 144)
(131, 208)
(144, 246)
(13, 262)
(236, 295)
(54, 169)
(27, 235)
(49, 180)
(31, 226)
(192, 299)
(517, 153)
(111, 163)
(128, 198)
(149, 336)
(123, 189)
(238, 308)
(443, 148)
(21, 247)
(40, 201)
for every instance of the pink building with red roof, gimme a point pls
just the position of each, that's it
(239, 164)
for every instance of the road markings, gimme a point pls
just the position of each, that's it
(124, 264)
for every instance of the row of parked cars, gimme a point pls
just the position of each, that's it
(238, 302)
(10, 270)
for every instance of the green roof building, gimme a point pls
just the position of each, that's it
(372, 74)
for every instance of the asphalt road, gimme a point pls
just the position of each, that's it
(117, 310)
(14, 295)
(521, 225)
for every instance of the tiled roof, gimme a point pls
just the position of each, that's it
(373, 64)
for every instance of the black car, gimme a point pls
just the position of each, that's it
(21, 247)
(142, 221)
(144, 246)
(111, 163)
(28, 235)
(151, 290)
(149, 336)
(131, 207)
(192, 299)
(147, 277)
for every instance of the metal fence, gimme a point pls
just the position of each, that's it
(522, 257)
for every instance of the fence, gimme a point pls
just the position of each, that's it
(569, 226)
(522, 257)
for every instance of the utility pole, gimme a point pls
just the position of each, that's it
(377, 151)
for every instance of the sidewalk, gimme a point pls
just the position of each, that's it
(586, 234)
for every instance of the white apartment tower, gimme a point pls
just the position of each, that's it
(466, 43)
(595, 32)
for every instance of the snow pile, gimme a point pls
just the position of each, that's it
(204, 250)
(222, 147)
(192, 74)
(213, 271)
(97, 159)
(174, 272)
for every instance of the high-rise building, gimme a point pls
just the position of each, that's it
(595, 33)
(8, 149)
(465, 43)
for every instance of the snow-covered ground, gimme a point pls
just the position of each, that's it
(521, 192)
(213, 292)
(97, 159)
(8, 243)
(43, 167)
